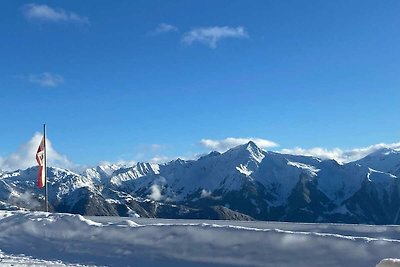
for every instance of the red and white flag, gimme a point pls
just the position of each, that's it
(40, 158)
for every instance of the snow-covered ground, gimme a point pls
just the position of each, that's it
(45, 239)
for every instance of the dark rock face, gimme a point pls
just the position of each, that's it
(83, 201)
(374, 206)
(306, 203)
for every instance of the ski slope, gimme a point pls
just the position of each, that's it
(46, 239)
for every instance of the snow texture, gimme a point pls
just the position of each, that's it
(44, 239)
(389, 263)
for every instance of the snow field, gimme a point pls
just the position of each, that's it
(72, 239)
(389, 263)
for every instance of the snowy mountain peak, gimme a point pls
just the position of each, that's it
(101, 173)
(384, 152)
(247, 151)
(178, 161)
(255, 152)
(384, 159)
(210, 155)
(251, 144)
(109, 168)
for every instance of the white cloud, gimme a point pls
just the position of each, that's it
(46, 79)
(211, 35)
(161, 159)
(26, 199)
(227, 143)
(44, 13)
(205, 193)
(24, 156)
(155, 193)
(153, 147)
(340, 154)
(318, 152)
(164, 28)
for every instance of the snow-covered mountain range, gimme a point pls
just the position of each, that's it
(243, 183)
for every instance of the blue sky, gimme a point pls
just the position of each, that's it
(134, 80)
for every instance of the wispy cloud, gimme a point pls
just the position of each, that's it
(161, 159)
(153, 153)
(45, 13)
(155, 192)
(164, 28)
(338, 154)
(154, 147)
(205, 193)
(227, 143)
(210, 36)
(24, 156)
(45, 79)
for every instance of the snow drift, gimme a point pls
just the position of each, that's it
(72, 239)
(389, 263)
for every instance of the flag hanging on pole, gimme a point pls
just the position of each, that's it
(40, 158)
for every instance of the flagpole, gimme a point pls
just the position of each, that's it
(45, 168)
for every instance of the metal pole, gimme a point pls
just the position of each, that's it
(45, 168)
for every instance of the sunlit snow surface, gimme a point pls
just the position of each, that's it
(26, 261)
(43, 239)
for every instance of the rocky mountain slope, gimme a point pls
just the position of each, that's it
(243, 183)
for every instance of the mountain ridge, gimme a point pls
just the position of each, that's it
(244, 182)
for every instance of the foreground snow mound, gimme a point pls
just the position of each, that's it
(24, 261)
(72, 239)
(389, 263)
